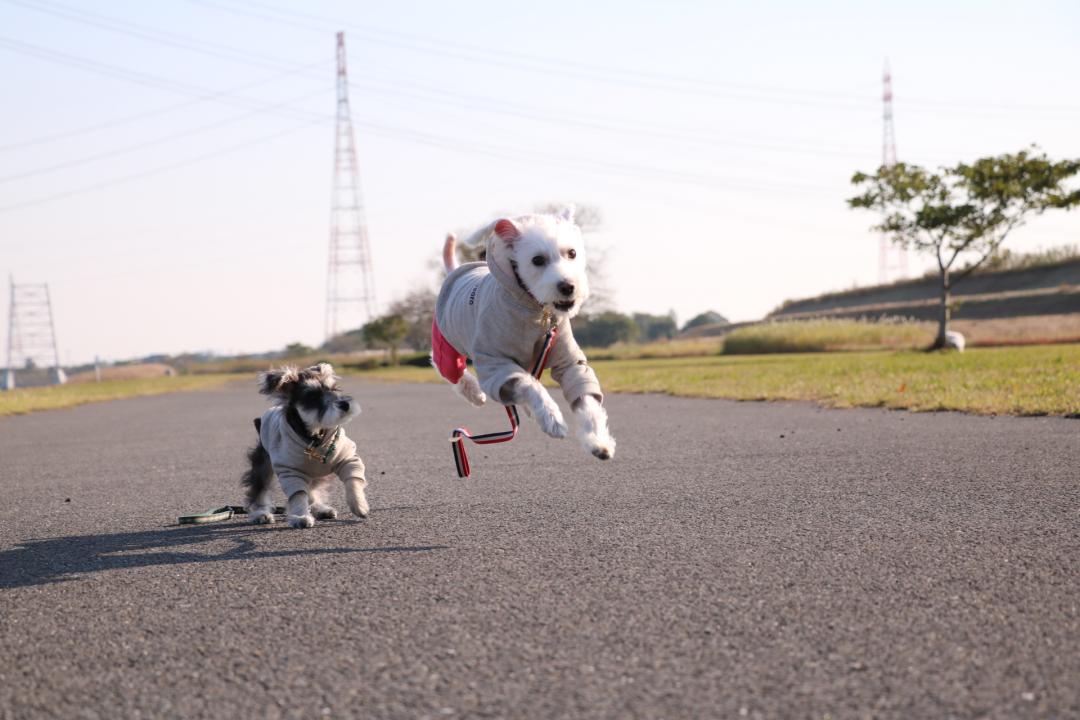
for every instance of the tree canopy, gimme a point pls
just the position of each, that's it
(964, 211)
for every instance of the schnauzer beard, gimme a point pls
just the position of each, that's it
(543, 282)
(332, 416)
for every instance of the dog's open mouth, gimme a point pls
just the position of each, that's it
(564, 305)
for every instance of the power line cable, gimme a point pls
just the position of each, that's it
(634, 78)
(127, 119)
(160, 37)
(157, 170)
(156, 82)
(503, 61)
(536, 114)
(154, 142)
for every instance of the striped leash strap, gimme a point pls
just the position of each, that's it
(459, 435)
(225, 512)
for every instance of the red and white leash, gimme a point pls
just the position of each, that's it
(458, 436)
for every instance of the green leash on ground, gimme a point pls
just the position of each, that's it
(225, 512)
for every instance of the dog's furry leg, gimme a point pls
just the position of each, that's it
(257, 482)
(319, 507)
(468, 387)
(592, 426)
(527, 390)
(352, 475)
(354, 495)
(298, 512)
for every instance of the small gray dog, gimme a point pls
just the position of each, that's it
(301, 441)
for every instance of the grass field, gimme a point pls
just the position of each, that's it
(25, 400)
(1037, 380)
(828, 335)
(1033, 380)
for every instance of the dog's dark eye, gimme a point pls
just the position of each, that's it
(571, 253)
(539, 261)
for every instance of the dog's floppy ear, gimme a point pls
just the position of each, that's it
(507, 231)
(274, 382)
(567, 213)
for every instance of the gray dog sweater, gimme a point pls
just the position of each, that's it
(487, 316)
(293, 465)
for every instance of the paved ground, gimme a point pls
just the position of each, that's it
(734, 560)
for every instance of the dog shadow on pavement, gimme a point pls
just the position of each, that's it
(60, 559)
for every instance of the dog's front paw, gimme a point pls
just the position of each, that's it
(301, 521)
(354, 495)
(323, 512)
(602, 448)
(262, 516)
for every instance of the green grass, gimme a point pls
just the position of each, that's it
(827, 335)
(1032, 380)
(25, 400)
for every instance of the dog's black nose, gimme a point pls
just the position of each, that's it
(566, 288)
(343, 405)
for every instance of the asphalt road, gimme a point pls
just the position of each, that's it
(734, 560)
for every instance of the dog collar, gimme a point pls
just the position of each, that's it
(315, 450)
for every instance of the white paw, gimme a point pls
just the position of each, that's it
(469, 388)
(323, 512)
(301, 521)
(551, 420)
(601, 447)
(262, 516)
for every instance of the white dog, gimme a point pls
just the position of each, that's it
(498, 312)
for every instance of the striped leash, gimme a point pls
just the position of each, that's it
(459, 435)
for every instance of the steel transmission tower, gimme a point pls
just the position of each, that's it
(892, 259)
(350, 288)
(31, 333)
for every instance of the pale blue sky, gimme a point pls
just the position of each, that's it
(717, 139)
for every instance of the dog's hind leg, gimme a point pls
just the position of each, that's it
(468, 387)
(319, 507)
(592, 426)
(258, 481)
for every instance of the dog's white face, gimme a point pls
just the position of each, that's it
(313, 392)
(548, 255)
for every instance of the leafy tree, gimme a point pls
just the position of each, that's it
(387, 332)
(604, 329)
(297, 349)
(964, 211)
(709, 317)
(417, 308)
(656, 327)
(347, 342)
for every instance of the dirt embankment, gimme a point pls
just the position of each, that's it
(1046, 290)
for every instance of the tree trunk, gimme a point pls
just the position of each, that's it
(946, 310)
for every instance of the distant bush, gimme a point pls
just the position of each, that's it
(827, 336)
(655, 327)
(604, 329)
(709, 317)
(1006, 259)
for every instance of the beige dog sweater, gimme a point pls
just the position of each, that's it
(295, 466)
(487, 316)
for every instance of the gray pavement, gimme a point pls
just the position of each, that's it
(734, 560)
